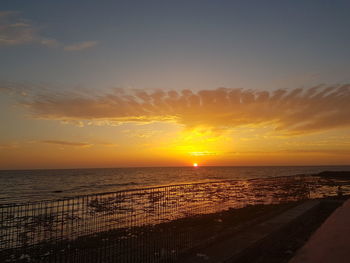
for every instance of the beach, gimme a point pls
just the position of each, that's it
(175, 219)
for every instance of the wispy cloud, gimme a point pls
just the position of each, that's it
(77, 144)
(289, 111)
(15, 30)
(141, 133)
(295, 152)
(80, 46)
(9, 146)
(204, 153)
(66, 143)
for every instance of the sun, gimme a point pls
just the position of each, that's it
(195, 164)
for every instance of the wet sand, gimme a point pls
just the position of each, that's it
(157, 242)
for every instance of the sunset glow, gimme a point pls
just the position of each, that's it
(195, 164)
(141, 90)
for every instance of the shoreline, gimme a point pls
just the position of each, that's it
(182, 235)
(185, 215)
(336, 175)
(183, 238)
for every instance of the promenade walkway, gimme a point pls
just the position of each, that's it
(331, 242)
(232, 249)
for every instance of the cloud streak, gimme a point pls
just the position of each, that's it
(9, 146)
(15, 30)
(80, 46)
(289, 111)
(66, 143)
(76, 144)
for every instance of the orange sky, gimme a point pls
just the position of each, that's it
(168, 128)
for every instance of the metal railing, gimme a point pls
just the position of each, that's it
(139, 225)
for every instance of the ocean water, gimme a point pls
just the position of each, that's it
(34, 185)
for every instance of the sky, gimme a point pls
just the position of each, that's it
(170, 83)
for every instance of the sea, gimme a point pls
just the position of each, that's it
(18, 186)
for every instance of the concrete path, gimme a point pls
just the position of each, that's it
(331, 242)
(231, 248)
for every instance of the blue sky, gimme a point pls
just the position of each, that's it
(182, 44)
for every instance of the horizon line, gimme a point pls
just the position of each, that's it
(183, 166)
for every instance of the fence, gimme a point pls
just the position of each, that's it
(139, 225)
